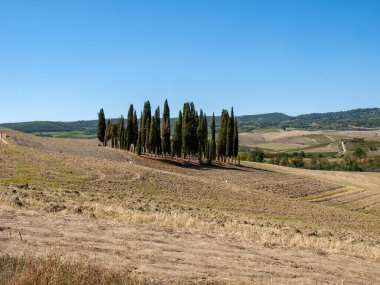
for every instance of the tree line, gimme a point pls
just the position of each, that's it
(151, 134)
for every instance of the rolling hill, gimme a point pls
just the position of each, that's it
(368, 118)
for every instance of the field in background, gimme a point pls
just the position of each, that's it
(309, 141)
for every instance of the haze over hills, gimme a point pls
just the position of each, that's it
(352, 119)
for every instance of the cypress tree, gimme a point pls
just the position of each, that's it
(194, 120)
(205, 135)
(139, 142)
(209, 151)
(114, 138)
(146, 118)
(200, 136)
(157, 131)
(101, 131)
(135, 129)
(230, 135)
(108, 133)
(130, 131)
(222, 136)
(152, 136)
(236, 139)
(176, 147)
(213, 141)
(166, 129)
(186, 130)
(121, 132)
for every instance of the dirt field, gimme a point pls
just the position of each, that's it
(184, 223)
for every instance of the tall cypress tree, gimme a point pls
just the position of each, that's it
(186, 130)
(230, 135)
(158, 131)
(108, 133)
(146, 118)
(130, 131)
(121, 132)
(176, 147)
(166, 129)
(101, 131)
(194, 120)
(152, 136)
(213, 141)
(115, 140)
(236, 139)
(135, 129)
(200, 136)
(222, 136)
(139, 142)
(205, 135)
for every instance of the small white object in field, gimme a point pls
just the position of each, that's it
(130, 162)
(226, 181)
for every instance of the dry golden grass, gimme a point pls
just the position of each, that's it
(53, 269)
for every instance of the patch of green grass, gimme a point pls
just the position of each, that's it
(318, 138)
(266, 130)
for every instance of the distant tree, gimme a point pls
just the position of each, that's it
(130, 130)
(359, 153)
(166, 129)
(101, 126)
(213, 141)
(236, 140)
(176, 147)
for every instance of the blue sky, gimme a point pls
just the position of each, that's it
(63, 60)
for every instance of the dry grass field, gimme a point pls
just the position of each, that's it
(142, 220)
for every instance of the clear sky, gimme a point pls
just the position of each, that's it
(63, 60)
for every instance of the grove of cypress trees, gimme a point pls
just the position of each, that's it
(166, 129)
(176, 146)
(236, 139)
(101, 131)
(230, 135)
(130, 131)
(213, 141)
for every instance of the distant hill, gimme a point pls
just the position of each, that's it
(353, 119)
